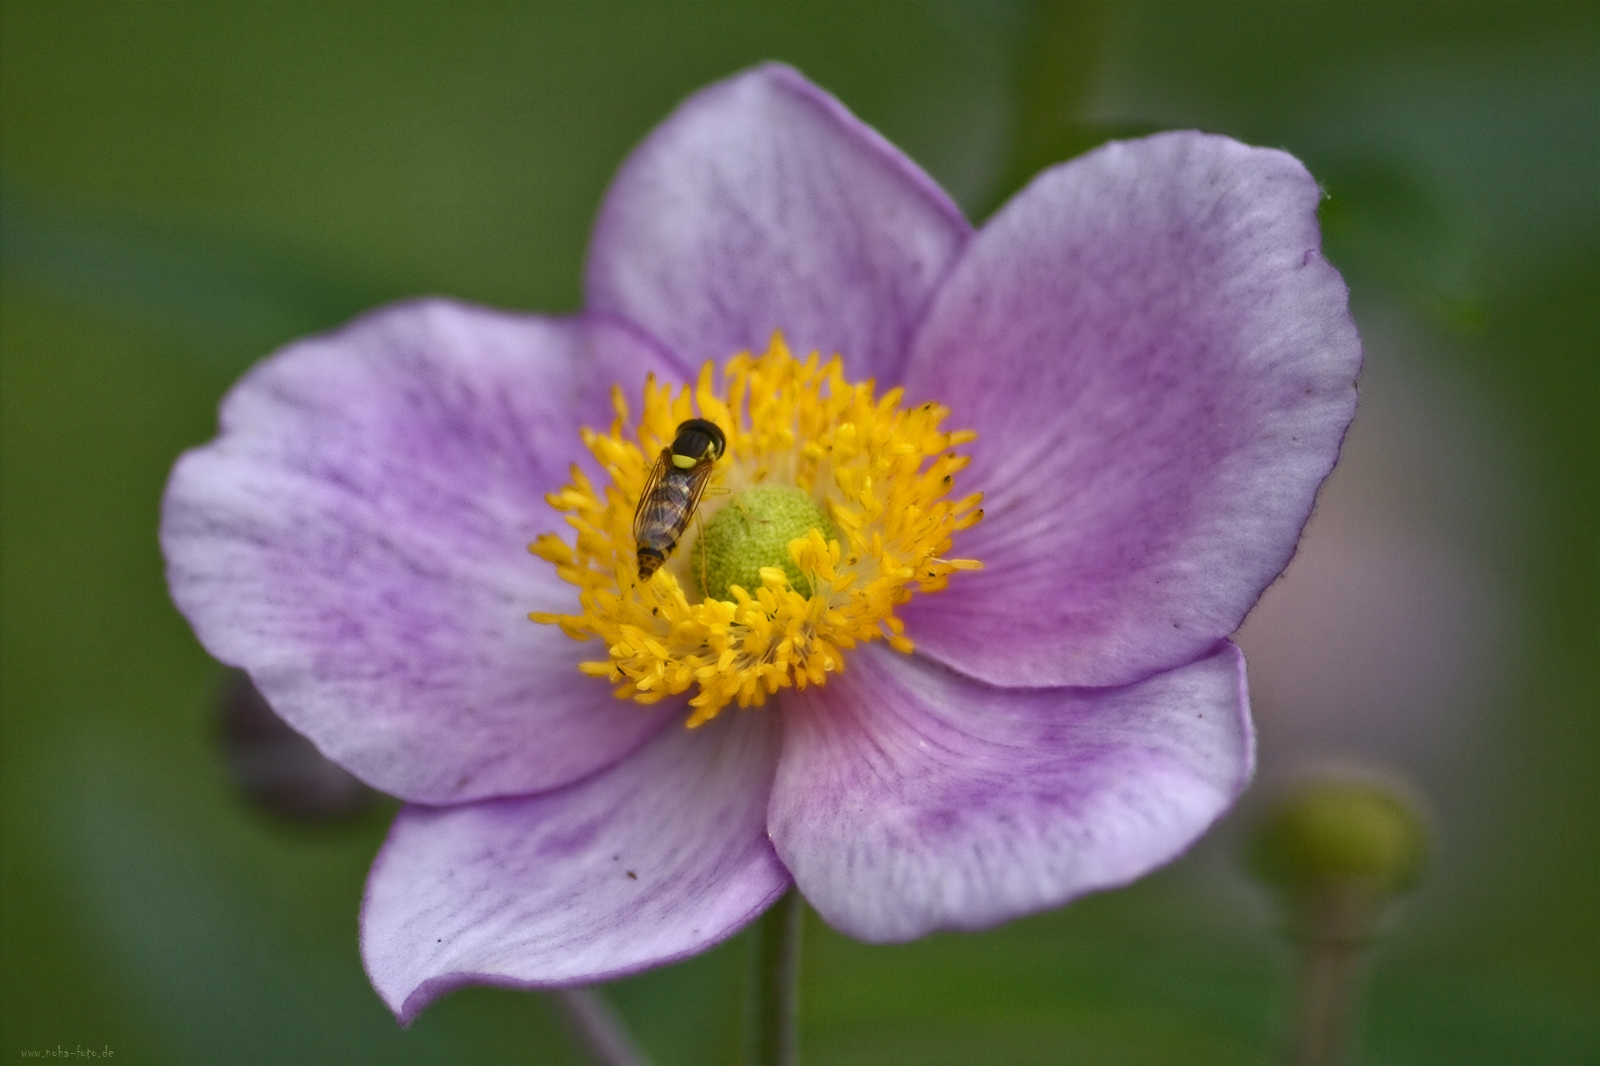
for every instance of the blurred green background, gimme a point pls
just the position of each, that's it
(186, 187)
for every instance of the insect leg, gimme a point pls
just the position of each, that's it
(700, 548)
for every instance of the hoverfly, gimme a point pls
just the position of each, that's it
(673, 490)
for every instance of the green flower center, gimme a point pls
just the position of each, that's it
(752, 531)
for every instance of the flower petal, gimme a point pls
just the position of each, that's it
(763, 204)
(658, 857)
(910, 798)
(356, 538)
(1160, 367)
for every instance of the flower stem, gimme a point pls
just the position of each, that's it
(1327, 981)
(599, 1028)
(1341, 926)
(777, 984)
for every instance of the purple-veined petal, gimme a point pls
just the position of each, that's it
(654, 859)
(763, 204)
(910, 798)
(1160, 366)
(357, 539)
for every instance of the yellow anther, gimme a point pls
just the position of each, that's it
(882, 475)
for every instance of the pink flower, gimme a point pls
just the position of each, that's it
(1159, 366)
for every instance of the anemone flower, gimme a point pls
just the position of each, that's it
(841, 679)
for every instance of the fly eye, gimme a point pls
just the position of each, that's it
(697, 437)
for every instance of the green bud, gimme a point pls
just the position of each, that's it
(1341, 834)
(751, 531)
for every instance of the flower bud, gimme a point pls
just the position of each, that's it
(1338, 849)
(274, 768)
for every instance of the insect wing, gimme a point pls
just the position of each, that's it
(699, 478)
(647, 514)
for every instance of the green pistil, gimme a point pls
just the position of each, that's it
(751, 531)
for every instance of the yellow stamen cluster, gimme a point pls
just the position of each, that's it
(880, 472)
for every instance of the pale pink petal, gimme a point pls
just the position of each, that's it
(658, 857)
(1160, 367)
(910, 798)
(357, 539)
(762, 204)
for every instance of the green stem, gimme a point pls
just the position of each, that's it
(1341, 925)
(599, 1028)
(777, 984)
(1327, 984)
